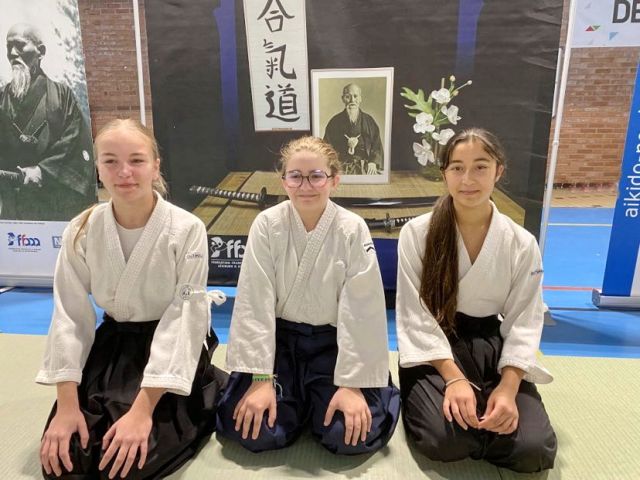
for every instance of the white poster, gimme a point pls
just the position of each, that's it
(47, 173)
(606, 23)
(277, 49)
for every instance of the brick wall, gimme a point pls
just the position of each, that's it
(596, 105)
(108, 39)
(596, 113)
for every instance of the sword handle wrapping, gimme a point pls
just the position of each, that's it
(388, 223)
(259, 198)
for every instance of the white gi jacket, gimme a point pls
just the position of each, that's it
(505, 279)
(165, 278)
(329, 276)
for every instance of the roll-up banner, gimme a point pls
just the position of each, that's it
(621, 285)
(228, 88)
(47, 173)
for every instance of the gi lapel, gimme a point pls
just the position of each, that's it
(311, 251)
(488, 252)
(132, 269)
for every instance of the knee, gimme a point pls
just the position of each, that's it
(533, 452)
(332, 438)
(438, 439)
(442, 448)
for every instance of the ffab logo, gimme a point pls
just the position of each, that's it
(226, 248)
(57, 241)
(22, 240)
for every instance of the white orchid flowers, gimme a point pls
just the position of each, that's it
(424, 123)
(432, 114)
(423, 153)
(442, 96)
(451, 114)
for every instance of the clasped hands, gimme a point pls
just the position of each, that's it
(501, 415)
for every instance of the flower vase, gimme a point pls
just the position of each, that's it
(432, 172)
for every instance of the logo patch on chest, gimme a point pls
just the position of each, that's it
(194, 256)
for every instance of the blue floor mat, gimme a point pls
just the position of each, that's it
(581, 215)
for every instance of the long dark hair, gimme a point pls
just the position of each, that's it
(439, 281)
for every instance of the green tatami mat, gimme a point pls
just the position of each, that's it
(594, 405)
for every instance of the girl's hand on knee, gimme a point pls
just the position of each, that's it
(260, 396)
(55, 442)
(460, 404)
(357, 415)
(502, 412)
(128, 436)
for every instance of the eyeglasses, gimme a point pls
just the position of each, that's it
(317, 178)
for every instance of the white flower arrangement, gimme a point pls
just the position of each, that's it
(432, 114)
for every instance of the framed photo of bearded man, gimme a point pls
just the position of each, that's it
(351, 110)
(46, 157)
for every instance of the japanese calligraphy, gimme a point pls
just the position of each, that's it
(277, 63)
(276, 40)
(287, 106)
(276, 20)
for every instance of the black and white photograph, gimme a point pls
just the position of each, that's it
(46, 162)
(352, 111)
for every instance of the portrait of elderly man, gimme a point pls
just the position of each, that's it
(355, 135)
(46, 166)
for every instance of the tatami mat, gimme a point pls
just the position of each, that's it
(593, 405)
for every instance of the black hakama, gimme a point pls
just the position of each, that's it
(111, 381)
(476, 348)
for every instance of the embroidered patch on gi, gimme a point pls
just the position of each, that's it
(537, 272)
(194, 256)
(186, 291)
(368, 247)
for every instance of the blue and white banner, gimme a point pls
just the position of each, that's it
(622, 273)
(28, 252)
(277, 49)
(606, 23)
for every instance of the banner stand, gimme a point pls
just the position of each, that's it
(621, 284)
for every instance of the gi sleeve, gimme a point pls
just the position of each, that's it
(252, 335)
(73, 322)
(524, 315)
(179, 337)
(363, 350)
(68, 157)
(420, 338)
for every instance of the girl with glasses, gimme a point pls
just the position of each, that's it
(308, 338)
(135, 397)
(469, 320)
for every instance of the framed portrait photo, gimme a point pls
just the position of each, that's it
(351, 109)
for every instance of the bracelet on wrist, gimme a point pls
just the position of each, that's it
(262, 377)
(460, 379)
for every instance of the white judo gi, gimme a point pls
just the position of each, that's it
(329, 276)
(164, 278)
(505, 280)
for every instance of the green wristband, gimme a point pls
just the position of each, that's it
(259, 377)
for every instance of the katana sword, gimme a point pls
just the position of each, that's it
(388, 223)
(11, 177)
(264, 199)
